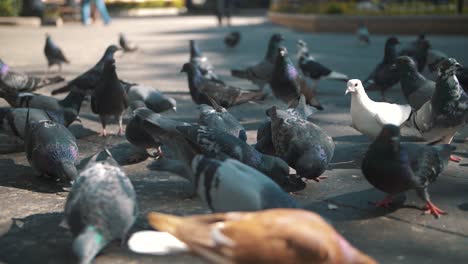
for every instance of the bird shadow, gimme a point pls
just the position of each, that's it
(355, 206)
(22, 177)
(463, 206)
(79, 131)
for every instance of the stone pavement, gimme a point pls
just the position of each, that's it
(31, 209)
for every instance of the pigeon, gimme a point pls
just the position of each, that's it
(232, 39)
(261, 73)
(383, 77)
(126, 45)
(230, 185)
(68, 108)
(313, 69)
(285, 81)
(435, 57)
(220, 144)
(100, 207)
(367, 116)
(54, 54)
(202, 63)
(107, 106)
(23, 82)
(415, 87)
(268, 236)
(51, 149)
(152, 98)
(418, 50)
(440, 118)
(362, 34)
(224, 95)
(88, 80)
(302, 144)
(395, 167)
(217, 117)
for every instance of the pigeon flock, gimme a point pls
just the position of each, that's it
(258, 221)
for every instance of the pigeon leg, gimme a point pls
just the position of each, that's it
(121, 131)
(320, 178)
(385, 202)
(103, 122)
(431, 208)
(455, 158)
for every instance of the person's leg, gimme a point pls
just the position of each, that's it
(85, 11)
(101, 7)
(228, 6)
(220, 11)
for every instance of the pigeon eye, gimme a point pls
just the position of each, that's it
(355, 85)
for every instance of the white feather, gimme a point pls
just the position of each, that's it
(156, 243)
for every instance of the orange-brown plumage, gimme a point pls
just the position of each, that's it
(269, 236)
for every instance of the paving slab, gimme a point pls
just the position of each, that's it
(31, 208)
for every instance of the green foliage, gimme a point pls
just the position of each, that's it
(146, 4)
(334, 9)
(10, 7)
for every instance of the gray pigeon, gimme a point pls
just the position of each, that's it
(217, 117)
(109, 98)
(418, 50)
(304, 145)
(224, 95)
(261, 73)
(152, 98)
(54, 54)
(230, 185)
(395, 167)
(415, 87)
(100, 207)
(69, 107)
(89, 79)
(286, 79)
(126, 45)
(220, 144)
(232, 39)
(51, 149)
(440, 118)
(363, 34)
(23, 82)
(202, 63)
(384, 76)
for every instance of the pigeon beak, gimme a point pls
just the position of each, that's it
(458, 65)
(348, 90)
(393, 66)
(174, 109)
(78, 119)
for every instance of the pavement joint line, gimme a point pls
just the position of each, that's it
(400, 219)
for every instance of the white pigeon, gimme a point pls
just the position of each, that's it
(368, 117)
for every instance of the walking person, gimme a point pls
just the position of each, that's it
(223, 8)
(86, 11)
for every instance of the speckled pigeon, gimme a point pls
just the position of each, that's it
(224, 95)
(440, 118)
(88, 80)
(152, 98)
(126, 45)
(395, 167)
(230, 185)
(232, 39)
(202, 63)
(217, 117)
(261, 73)
(384, 76)
(51, 149)
(100, 207)
(23, 82)
(109, 98)
(305, 146)
(415, 87)
(54, 54)
(219, 144)
(285, 81)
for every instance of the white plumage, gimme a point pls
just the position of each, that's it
(368, 117)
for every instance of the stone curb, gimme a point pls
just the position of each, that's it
(20, 21)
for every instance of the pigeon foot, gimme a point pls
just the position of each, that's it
(385, 203)
(319, 178)
(455, 158)
(430, 208)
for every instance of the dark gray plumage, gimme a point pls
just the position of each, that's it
(261, 73)
(126, 45)
(232, 39)
(384, 76)
(286, 79)
(440, 118)
(54, 54)
(304, 145)
(109, 97)
(51, 149)
(23, 82)
(224, 95)
(152, 98)
(217, 117)
(415, 87)
(202, 63)
(88, 80)
(100, 207)
(230, 185)
(418, 50)
(395, 167)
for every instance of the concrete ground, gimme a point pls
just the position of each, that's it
(31, 208)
